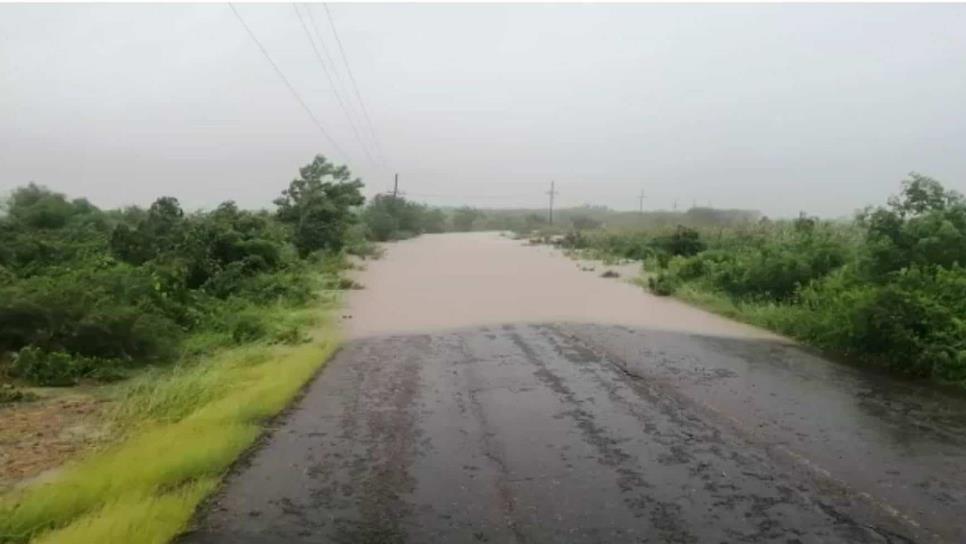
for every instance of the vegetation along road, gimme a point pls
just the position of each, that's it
(491, 391)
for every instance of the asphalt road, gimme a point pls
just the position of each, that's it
(665, 425)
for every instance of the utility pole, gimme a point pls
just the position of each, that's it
(552, 192)
(395, 187)
(675, 206)
(641, 202)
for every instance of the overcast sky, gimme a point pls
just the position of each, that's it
(781, 108)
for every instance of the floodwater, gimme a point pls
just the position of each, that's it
(449, 281)
(495, 392)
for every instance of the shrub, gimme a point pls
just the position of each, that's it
(318, 204)
(689, 268)
(248, 327)
(389, 217)
(90, 313)
(292, 334)
(86, 293)
(663, 284)
(45, 368)
(684, 241)
(10, 394)
(888, 289)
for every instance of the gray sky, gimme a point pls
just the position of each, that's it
(776, 107)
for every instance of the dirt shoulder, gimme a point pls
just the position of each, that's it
(41, 434)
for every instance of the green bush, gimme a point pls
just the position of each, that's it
(93, 294)
(248, 327)
(663, 284)
(45, 368)
(290, 334)
(10, 394)
(91, 313)
(689, 268)
(888, 289)
(684, 241)
(390, 217)
(913, 324)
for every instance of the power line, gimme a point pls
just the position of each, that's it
(288, 84)
(328, 58)
(352, 78)
(325, 70)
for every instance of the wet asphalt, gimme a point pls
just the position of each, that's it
(566, 432)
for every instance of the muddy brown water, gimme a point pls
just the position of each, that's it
(495, 392)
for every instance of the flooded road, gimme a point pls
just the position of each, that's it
(492, 392)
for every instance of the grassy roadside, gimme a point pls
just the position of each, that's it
(783, 319)
(181, 429)
(771, 316)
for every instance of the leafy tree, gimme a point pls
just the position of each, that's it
(380, 218)
(390, 217)
(683, 241)
(434, 220)
(163, 229)
(465, 217)
(38, 207)
(534, 221)
(583, 222)
(924, 225)
(318, 206)
(86, 293)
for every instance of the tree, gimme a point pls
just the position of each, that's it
(684, 241)
(924, 225)
(584, 222)
(533, 222)
(37, 207)
(390, 217)
(380, 218)
(161, 230)
(464, 218)
(921, 194)
(318, 206)
(434, 220)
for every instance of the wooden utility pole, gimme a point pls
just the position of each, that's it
(395, 187)
(641, 201)
(552, 192)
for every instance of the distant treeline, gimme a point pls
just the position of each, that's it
(592, 217)
(888, 288)
(390, 218)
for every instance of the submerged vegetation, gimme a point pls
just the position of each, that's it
(213, 320)
(888, 288)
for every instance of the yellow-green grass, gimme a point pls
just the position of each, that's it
(183, 428)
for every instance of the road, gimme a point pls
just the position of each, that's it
(492, 392)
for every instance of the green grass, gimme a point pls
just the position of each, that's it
(769, 315)
(183, 427)
(154, 519)
(773, 316)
